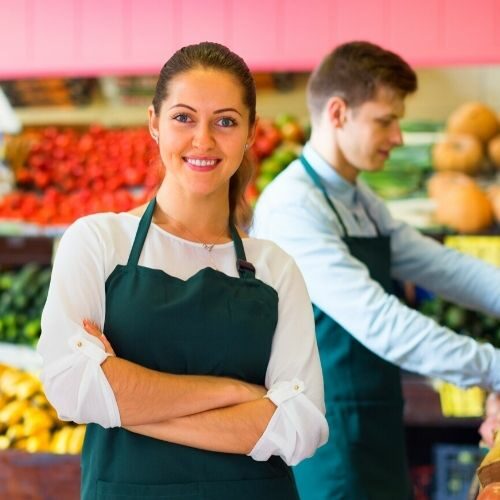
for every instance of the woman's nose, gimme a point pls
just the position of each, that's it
(203, 138)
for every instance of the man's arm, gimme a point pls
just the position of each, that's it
(340, 285)
(450, 274)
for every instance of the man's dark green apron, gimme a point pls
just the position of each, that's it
(365, 457)
(210, 324)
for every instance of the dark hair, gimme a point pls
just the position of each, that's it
(354, 71)
(212, 55)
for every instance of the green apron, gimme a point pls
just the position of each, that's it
(365, 457)
(210, 324)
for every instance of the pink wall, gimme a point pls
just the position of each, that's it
(92, 37)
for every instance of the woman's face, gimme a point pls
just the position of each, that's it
(202, 129)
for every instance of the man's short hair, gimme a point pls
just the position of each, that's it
(354, 71)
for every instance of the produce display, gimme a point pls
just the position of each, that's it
(494, 195)
(474, 324)
(494, 151)
(470, 148)
(459, 153)
(63, 174)
(460, 203)
(22, 296)
(404, 172)
(277, 143)
(474, 118)
(28, 421)
(49, 91)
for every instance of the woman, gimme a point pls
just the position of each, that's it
(207, 383)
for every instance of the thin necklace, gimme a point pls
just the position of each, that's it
(206, 246)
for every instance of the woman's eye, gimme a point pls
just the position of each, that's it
(182, 117)
(226, 122)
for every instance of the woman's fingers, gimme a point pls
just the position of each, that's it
(91, 328)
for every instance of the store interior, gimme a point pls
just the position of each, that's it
(70, 112)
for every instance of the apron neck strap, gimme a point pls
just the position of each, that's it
(245, 268)
(317, 182)
(141, 234)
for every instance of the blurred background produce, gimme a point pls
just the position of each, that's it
(22, 296)
(27, 420)
(477, 325)
(65, 173)
(277, 143)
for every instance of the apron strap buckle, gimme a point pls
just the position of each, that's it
(243, 266)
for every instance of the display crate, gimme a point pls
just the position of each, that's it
(39, 476)
(455, 469)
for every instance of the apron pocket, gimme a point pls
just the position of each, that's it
(122, 491)
(274, 488)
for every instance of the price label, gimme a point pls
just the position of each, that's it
(486, 248)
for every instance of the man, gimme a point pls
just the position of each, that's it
(349, 250)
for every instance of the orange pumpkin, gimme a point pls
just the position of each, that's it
(440, 182)
(494, 151)
(459, 153)
(464, 207)
(474, 118)
(494, 194)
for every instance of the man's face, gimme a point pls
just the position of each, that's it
(371, 130)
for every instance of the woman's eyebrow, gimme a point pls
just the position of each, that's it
(225, 110)
(180, 105)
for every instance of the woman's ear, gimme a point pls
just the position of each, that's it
(153, 124)
(336, 109)
(251, 134)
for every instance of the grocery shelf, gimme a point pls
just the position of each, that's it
(423, 407)
(106, 115)
(10, 228)
(39, 476)
(414, 138)
(20, 356)
(18, 249)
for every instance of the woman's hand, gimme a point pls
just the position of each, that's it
(91, 328)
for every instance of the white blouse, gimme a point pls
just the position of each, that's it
(73, 379)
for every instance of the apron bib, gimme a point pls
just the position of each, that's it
(210, 324)
(364, 402)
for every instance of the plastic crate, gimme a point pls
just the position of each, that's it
(455, 468)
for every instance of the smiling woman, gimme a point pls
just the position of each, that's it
(187, 346)
(208, 136)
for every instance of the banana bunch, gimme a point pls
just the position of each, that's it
(28, 421)
(458, 402)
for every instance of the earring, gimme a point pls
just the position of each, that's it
(155, 137)
(246, 147)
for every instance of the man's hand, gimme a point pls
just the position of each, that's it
(491, 423)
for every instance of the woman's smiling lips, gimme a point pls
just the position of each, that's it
(201, 164)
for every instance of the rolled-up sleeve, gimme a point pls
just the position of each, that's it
(294, 378)
(72, 375)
